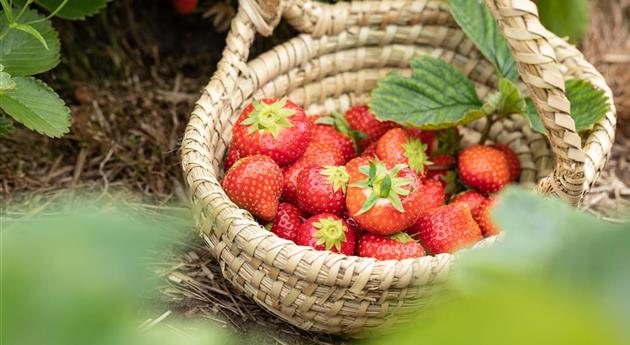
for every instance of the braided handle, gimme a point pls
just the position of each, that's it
(518, 21)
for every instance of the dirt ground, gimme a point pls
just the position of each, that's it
(130, 95)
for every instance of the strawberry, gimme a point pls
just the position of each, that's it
(254, 183)
(433, 196)
(484, 219)
(353, 223)
(277, 128)
(287, 221)
(370, 151)
(448, 228)
(429, 138)
(470, 198)
(232, 156)
(398, 146)
(321, 189)
(393, 247)
(514, 165)
(361, 119)
(327, 231)
(484, 168)
(185, 7)
(316, 153)
(328, 135)
(383, 200)
(442, 162)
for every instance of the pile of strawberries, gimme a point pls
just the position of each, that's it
(356, 185)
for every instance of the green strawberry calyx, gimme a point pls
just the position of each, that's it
(337, 176)
(401, 237)
(384, 183)
(339, 122)
(416, 153)
(330, 232)
(269, 117)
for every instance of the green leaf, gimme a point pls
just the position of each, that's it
(22, 53)
(74, 9)
(6, 126)
(33, 32)
(588, 106)
(6, 81)
(535, 122)
(6, 8)
(506, 101)
(435, 96)
(565, 17)
(37, 106)
(477, 22)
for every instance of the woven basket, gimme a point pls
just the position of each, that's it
(344, 49)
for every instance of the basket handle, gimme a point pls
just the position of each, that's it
(518, 20)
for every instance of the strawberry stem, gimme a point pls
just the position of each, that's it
(384, 184)
(331, 233)
(337, 176)
(269, 117)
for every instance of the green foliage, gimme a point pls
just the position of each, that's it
(74, 9)
(22, 52)
(588, 106)
(477, 22)
(557, 276)
(435, 96)
(79, 273)
(506, 101)
(30, 45)
(531, 114)
(565, 17)
(6, 126)
(36, 106)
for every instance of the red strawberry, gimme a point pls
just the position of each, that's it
(484, 168)
(393, 247)
(316, 153)
(327, 231)
(254, 183)
(428, 138)
(448, 228)
(315, 118)
(185, 7)
(370, 151)
(232, 156)
(514, 165)
(470, 198)
(361, 119)
(442, 162)
(277, 128)
(484, 219)
(287, 221)
(345, 138)
(353, 223)
(328, 135)
(383, 200)
(433, 196)
(321, 189)
(397, 146)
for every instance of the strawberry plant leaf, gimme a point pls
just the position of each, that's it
(477, 22)
(36, 106)
(74, 9)
(506, 101)
(435, 96)
(6, 81)
(588, 106)
(33, 32)
(572, 23)
(22, 53)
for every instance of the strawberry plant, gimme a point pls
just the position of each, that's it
(437, 95)
(30, 45)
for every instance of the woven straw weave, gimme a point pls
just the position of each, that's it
(344, 49)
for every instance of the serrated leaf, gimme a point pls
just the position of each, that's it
(534, 118)
(23, 54)
(506, 101)
(588, 106)
(36, 106)
(74, 9)
(29, 29)
(477, 22)
(6, 126)
(572, 23)
(6, 81)
(435, 96)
